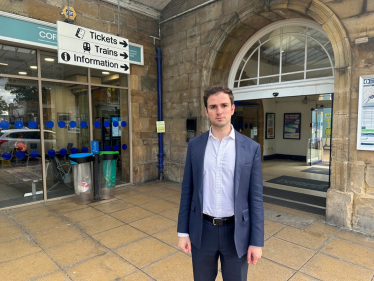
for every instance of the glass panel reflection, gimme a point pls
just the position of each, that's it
(108, 78)
(250, 69)
(269, 57)
(20, 148)
(319, 73)
(18, 61)
(65, 107)
(51, 69)
(293, 53)
(111, 130)
(317, 56)
(292, 77)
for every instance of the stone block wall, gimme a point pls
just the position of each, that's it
(200, 47)
(103, 16)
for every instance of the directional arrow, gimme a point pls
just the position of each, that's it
(123, 43)
(125, 67)
(124, 55)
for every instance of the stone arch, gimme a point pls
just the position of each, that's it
(237, 29)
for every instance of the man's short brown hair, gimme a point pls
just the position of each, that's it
(211, 90)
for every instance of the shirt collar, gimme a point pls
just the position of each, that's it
(231, 135)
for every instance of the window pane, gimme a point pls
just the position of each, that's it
(269, 57)
(250, 51)
(248, 83)
(293, 53)
(51, 69)
(317, 35)
(63, 104)
(18, 61)
(271, 34)
(319, 73)
(108, 78)
(329, 49)
(20, 148)
(267, 80)
(317, 57)
(291, 77)
(237, 76)
(250, 69)
(110, 105)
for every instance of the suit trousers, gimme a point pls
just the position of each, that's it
(218, 242)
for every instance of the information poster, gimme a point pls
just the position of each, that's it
(365, 126)
(116, 132)
(270, 126)
(292, 126)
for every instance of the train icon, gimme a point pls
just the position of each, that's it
(80, 33)
(86, 47)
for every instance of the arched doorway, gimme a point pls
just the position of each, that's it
(287, 69)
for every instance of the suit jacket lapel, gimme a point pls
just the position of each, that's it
(239, 160)
(200, 155)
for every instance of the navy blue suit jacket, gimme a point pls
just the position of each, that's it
(248, 188)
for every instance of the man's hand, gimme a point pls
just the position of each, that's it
(254, 253)
(185, 244)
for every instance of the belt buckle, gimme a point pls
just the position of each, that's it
(217, 221)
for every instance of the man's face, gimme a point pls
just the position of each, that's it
(219, 110)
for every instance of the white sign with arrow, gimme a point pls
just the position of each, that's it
(85, 47)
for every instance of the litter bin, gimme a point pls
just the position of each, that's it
(82, 176)
(108, 173)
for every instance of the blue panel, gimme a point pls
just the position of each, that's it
(50, 124)
(63, 152)
(51, 152)
(61, 124)
(73, 124)
(83, 124)
(32, 124)
(97, 124)
(18, 124)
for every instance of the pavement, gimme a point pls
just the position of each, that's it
(133, 237)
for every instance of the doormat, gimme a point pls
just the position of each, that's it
(301, 183)
(325, 164)
(316, 170)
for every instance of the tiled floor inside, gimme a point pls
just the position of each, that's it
(133, 237)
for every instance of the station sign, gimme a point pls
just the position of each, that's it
(86, 47)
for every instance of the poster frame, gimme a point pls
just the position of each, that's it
(267, 136)
(365, 79)
(284, 126)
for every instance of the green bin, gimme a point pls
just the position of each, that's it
(108, 173)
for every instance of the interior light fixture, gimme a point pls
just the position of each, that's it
(22, 73)
(3, 63)
(105, 72)
(49, 59)
(33, 67)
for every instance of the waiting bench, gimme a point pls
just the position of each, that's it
(29, 173)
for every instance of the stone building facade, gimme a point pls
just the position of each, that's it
(200, 47)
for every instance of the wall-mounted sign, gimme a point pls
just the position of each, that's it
(365, 126)
(292, 126)
(86, 47)
(160, 126)
(42, 34)
(69, 12)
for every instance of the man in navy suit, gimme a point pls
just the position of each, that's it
(221, 212)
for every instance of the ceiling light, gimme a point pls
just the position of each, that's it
(22, 72)
(33, 67)
(49, 59)
(3, 63)
(105, 72)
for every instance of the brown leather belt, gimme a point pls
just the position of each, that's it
(219, 221)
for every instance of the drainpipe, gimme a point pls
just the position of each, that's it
(160, 154)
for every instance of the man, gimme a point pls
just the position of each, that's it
(221, 211)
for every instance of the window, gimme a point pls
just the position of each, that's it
(288, 53)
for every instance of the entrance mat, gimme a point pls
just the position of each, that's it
(301, 183)
(316, 170)
(324, 163)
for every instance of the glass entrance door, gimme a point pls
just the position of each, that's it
(245, 119)
(316, 138)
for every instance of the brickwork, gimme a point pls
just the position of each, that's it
(201, 47)
(103, 16)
